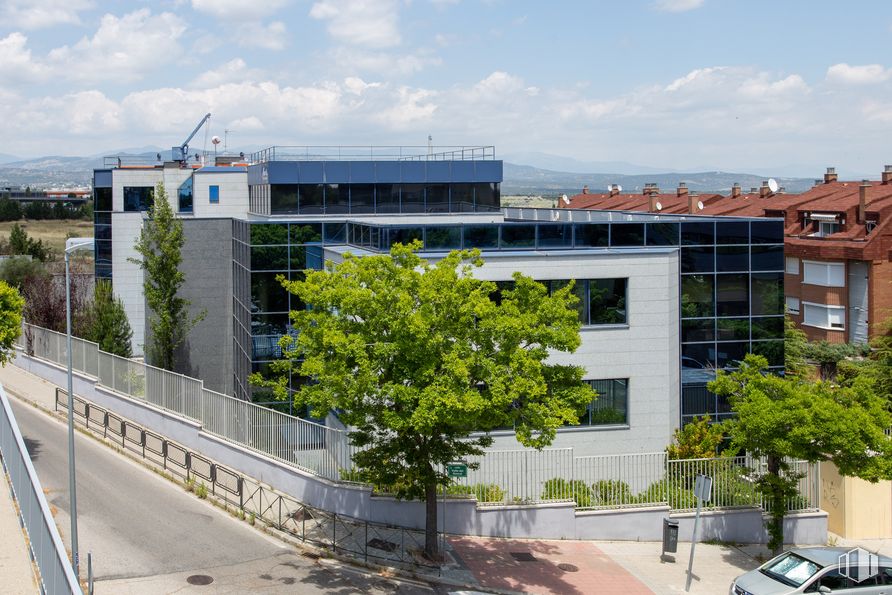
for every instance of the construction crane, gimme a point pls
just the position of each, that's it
(181, 153)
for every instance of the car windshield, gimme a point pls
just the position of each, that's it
(791, 569)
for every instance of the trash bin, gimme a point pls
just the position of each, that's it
(670, 535)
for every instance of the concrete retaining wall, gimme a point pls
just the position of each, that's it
(557, 520)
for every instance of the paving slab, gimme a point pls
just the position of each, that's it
(545, 567)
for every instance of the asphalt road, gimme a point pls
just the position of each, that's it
(148, 535)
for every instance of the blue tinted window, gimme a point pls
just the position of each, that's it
(214, 194)
(481, 236)
(627, 234)
(138, 198)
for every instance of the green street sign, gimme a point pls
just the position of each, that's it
(457, 470)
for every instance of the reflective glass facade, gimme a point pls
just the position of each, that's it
(731, 284)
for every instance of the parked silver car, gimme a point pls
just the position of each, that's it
(818, 570)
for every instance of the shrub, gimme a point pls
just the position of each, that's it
(201, 491)
(484, 492)
(561, 489)
(611, 492)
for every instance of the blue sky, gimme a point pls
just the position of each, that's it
(782, 87)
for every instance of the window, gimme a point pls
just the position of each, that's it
(826, 228)
(828, 274)
(612, 405)
(826, 317)
(138, 198)
(184, 195)
(792, 304)
(607, 301)
(214, 194)
(792, 265)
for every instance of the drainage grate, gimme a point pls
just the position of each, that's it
(200, 579)
(523, 557)
(380, 544)
(568, 567)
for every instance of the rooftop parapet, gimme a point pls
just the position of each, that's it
(374, 153)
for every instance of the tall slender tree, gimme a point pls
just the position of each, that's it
(109, 326)
(160, 246)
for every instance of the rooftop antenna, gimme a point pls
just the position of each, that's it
(430, 145)
(215, 140)
(226, 132)
(772, 185)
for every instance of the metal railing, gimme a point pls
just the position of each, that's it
(310, 446)
(253, 500)
(44, 543)
(374, 153)
(525, 476)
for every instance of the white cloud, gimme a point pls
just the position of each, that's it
(858, 75)
(412, 108)
(354, 60)
(123, 49)
(357, 86)
(368, 23)
(677, 5)
(256, 34)
(37, 14)
(238, 9)
(235, 70)
(16, 63)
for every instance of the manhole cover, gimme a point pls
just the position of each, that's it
(200, 579)
(523, 556)
(380, 544)
(568, 568)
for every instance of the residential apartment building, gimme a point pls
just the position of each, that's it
(659, 310)
(837, 240)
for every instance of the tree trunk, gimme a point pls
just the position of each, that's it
(431, 549)
(778, 506)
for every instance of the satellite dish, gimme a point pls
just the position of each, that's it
(618, 188)
(659, 206)
(772, 185)
(699, 205)
(216, 140)
(565, 199)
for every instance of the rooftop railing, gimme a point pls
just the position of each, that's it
(374, 153)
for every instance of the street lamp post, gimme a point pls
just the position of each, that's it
(72, 244)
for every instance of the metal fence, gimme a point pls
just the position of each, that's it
(502, 477)
(310, 446)
(44, 543)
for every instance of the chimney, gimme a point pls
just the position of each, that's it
(764, 190)
(735, 190)
(830, 176)
(692, 203)
(781, 190)
(753, 190)
(652, 203)
(862, 200)
(887, 174)
(613, 189)
(682, 189)
(651, 188)
(585, 189)
(818, 182)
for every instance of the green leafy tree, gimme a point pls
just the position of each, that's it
(11, 304)
(782, 418)
(9, 210)
(109, 326)
(160, 246)
(829, 355)
(417, 359)
(21, 243)
(16, 270)
(699, 439)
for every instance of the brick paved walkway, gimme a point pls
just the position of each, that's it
(494, 562)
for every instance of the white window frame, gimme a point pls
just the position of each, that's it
(792, 304)
(791, 265)
(824, 278)
(828, 321)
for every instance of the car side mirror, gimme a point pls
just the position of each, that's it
(824, 589)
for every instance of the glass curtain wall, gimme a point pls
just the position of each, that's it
(732, 303)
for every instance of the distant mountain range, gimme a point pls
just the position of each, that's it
(563, 176)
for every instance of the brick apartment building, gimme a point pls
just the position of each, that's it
(837, 244)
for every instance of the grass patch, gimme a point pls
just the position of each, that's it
(52, 232)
